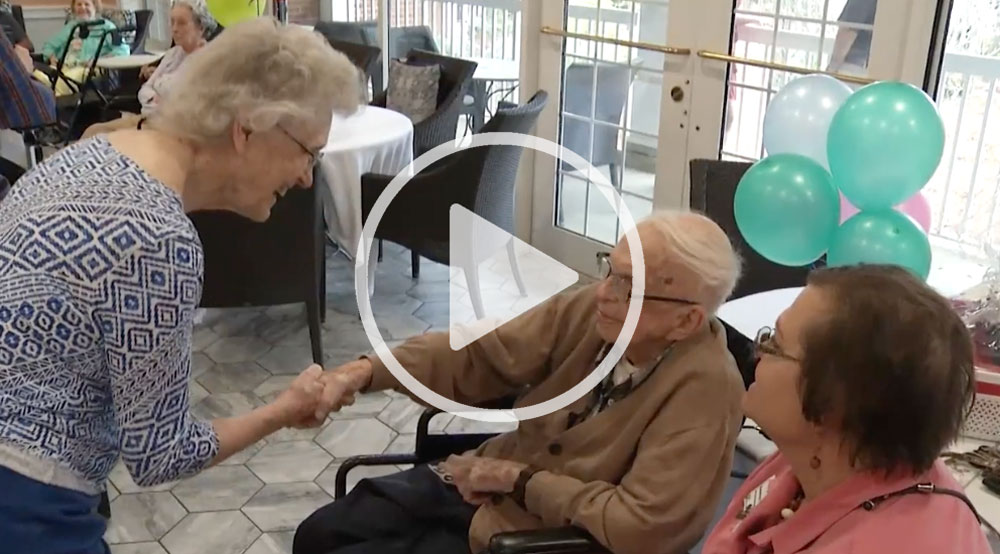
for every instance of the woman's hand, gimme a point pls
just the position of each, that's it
(297, 405)
(53, 61)
(24, 56)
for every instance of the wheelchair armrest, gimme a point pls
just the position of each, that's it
(340, 482)
(557, 540)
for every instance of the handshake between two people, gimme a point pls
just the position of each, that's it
(315, 393)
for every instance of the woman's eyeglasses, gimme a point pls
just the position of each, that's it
(765, 344)
(313, 155)
(621, 285)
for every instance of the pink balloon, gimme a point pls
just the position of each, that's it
(847, 210)
(916, 207)
(919, 209)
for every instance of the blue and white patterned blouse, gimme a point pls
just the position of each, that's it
(100, 275)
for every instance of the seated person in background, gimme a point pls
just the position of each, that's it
(80, 50)
(865, 380)
(189, 21)
(24, 102)
(640, 462)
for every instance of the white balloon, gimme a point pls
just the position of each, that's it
(798, 117)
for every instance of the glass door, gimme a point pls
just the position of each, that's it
(683, 79)
(623, 86)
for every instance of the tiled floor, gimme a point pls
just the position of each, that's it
(244, 357)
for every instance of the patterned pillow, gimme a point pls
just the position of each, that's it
(121, 18)
(413, 90)
(6, 7)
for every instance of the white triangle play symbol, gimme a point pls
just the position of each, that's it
(481, 251)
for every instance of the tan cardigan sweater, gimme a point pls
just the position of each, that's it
(644, 476)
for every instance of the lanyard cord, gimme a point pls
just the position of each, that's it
(926, 488)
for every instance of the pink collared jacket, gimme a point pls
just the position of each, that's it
(837, 523)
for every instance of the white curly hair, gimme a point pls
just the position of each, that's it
(259, 73)
(200, 11)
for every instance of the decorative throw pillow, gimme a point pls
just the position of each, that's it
(121, 18)
(413, 90)
(6, 7)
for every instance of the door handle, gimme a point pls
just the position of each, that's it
(661, 48)
(709, 55)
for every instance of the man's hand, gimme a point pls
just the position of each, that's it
(342, 384)
(297, 405)
(479, 479)
(146, 72)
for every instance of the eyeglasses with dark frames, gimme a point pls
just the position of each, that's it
(765, 344)
(621, 285)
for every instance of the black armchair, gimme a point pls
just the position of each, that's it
(368, 59)
(480, 179)
(406, 39)
(280, 261)
(142, 18)
(442, 125)
(713, 186)
(360, 32)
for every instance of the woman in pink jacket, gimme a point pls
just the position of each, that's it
(862, 383)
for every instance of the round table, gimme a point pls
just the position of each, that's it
(493, 77)
(128, 62)
(490, 69)
(373, 140)
(748, 314)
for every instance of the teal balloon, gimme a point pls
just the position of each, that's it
(787, 209)
(881, 237)
(884, 144)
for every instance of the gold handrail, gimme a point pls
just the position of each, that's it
(546, 30)
(707, 54)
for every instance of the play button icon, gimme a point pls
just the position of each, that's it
(494, 277)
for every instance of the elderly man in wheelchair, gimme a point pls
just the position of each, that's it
(637, 466)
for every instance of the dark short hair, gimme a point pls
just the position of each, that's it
(891, 366)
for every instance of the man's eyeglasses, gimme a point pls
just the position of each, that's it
(765, 344)
(313, 154)
(621, 285)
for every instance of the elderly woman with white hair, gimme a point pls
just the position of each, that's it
(639, 462)
(101, 272)
(190, 21)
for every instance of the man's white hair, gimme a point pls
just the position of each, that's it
(699, 244)
(259, 73)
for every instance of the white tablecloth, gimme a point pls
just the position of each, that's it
(748, 314)
(490, 69)
(373, 140)
(127, 62)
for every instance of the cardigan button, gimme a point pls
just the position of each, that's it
(555, 449)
